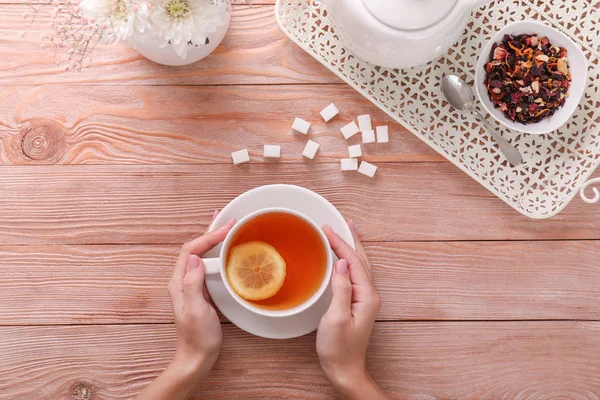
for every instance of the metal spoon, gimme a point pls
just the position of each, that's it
(460, 96)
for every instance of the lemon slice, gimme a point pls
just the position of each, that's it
(255, 270)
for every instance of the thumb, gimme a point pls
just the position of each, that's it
(342, 290)
(193, 282)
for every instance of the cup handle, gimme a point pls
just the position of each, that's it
(212, 266)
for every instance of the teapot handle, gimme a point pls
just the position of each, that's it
(590, 200)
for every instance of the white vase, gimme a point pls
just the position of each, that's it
(149, 46)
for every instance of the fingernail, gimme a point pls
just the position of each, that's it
(351, 223)
(341, 267)
(215, 213)
(326, 227)
(229, 224)
(193, 262)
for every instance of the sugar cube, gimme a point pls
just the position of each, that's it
(364, 122)
(349, 130)
(354, 151)
(240, 157)
(368, 137)
(367, 169)
(310, 149)
(272, 151)
(301, 125)
(349, 164)
(382, 134)
(329, 112)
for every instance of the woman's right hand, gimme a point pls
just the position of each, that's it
(344, 331)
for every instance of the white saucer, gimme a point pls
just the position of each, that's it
(296, 198)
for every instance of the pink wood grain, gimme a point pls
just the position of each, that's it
(463, 281)
(416, 360)
(93, 204)
(105, 173)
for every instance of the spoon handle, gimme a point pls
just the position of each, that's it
(512, 154)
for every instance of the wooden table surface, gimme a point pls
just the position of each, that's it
(105, 173)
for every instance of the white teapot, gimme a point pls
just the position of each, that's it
(399, 33)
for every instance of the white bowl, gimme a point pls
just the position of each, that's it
(577, 65)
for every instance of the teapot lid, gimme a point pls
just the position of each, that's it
(409, 14)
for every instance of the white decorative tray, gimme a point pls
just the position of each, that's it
(556, 166)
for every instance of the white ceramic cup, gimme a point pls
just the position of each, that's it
(216, 266)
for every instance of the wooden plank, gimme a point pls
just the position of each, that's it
(487, 280)
(255, 51)
(167, 204)
(533, 360)
(49, 285)
(181, 125)
(85, 284)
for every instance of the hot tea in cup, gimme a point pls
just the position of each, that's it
(295, 241)
(275, 262)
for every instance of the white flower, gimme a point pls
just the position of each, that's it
(181, 23)
(123, 18)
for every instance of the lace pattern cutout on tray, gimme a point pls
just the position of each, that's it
(557, 165)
